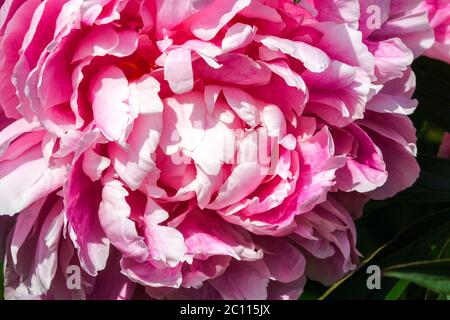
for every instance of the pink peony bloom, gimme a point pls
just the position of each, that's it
(439, 16)
(208, 149)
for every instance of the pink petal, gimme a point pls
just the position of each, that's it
(208, 22)
(83, 198)
(109, 92)
(238, 36)
(178, 70)
(243, 280)
(114, 216)
(313, 58)
(166, 244)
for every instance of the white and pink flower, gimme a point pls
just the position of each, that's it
(208, 149)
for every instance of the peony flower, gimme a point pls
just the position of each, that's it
(198, 149)
(439, 16)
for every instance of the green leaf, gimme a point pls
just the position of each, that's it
(433, 275)
(398, 290)
(412, 244)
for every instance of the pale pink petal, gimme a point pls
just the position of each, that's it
(313, 58)
(244, 280)
(166, 244)
(114, 216)
(178, 70)
(112, 114)
(26, 179)
(94, 164)
(209, 21)
(238, 36)
(134, 162)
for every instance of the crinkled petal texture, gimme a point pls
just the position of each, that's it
(208, 149)
(439, 16)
